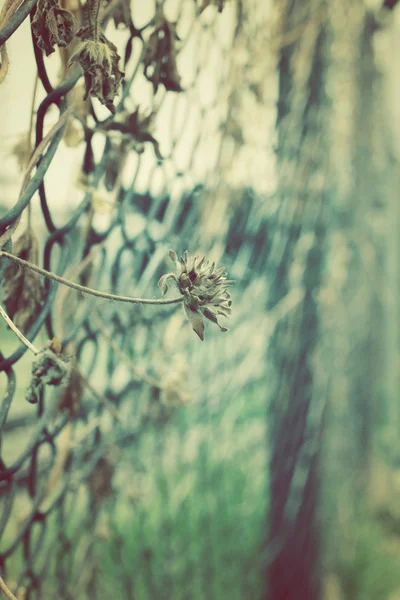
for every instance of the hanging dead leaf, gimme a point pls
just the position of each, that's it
(99, 60)
(23, 290)
(160, 56)
(52, 25)
(122, 14)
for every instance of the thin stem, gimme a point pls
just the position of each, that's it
(86, 290)
(17, 332)
(5, 589)
(94, 19)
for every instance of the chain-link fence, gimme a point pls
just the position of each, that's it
(135, 459)
(113, 481)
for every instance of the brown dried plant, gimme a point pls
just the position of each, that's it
(53, 25)
(99, 60)
(218, 3)
(23, 290)
(139, 127)
(204, 288)
(160, 56)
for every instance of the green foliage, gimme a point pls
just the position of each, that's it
(372, 570)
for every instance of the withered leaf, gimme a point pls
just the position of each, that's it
(71, 393)
(23, 289)
(160, 57)
(48, 369)
(52, 25)
(99, 60)
(122, 14)
(100, 480)
(137, 126)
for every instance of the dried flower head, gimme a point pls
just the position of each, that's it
(52, 25)
(99, 60)
(204, 288)
(138, 126)
(160, 56)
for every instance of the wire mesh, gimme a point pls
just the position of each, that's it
(98, 475)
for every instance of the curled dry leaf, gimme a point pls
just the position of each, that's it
(139, 127)
(160, 56)
(52, 25)
(23, 290)
(99, 60)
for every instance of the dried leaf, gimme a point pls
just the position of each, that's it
(163, 282)
(100, 480)
(72, 392)
(139, 127)
(196, 321)
(218, 3)
(99, 61)
(23, 290)
(160, 57)
(52, 25)
(122, 14)
(3, 63)
(22, 151)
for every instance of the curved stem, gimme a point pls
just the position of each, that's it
(86, 290)
(17, 332)
(94, 18)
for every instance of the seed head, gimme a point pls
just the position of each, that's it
(204, 288)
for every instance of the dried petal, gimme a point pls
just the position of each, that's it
(160, 57)
(163, 282)
(52, 25)
(137, 126)
(99, 61)
(71, 393)
(196, 321)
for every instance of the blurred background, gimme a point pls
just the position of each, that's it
(263, 462)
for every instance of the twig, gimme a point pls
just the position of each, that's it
(5, 589)
(17, 332)
(86, 290)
